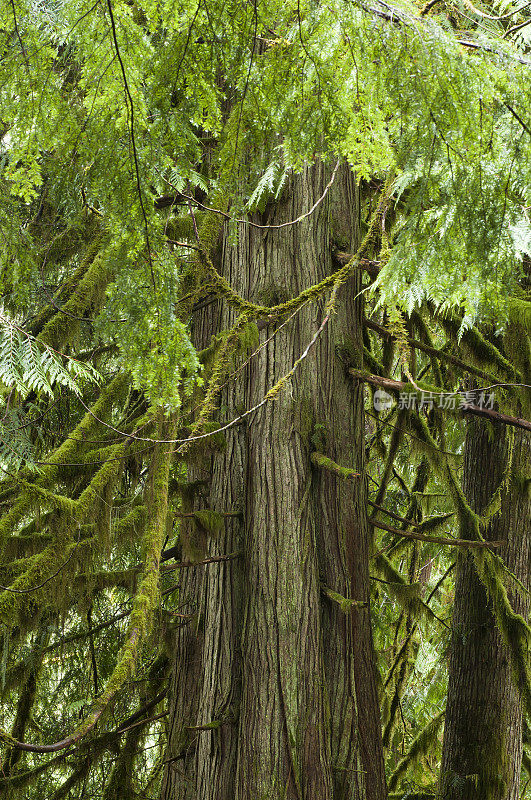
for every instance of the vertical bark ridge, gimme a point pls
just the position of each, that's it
(482, 748)
(276, 660)
(207, 675)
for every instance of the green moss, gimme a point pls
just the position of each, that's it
(248, 337)
(254, 311)
(397, 434)
(433, 524)
(221, 363)
(193, 543)
(88, 293)
(146, 597)
(321, 461)
(371, 363)
(211, 521)
(206, 356)
(40, 568)
(187, 491)
(519, 313)
(514, 630)
(517, 345)
(182, 228)
(346, 604)
(407, 594)
(303, 417)
(418, 748)
(107, 474)
(481, 352)
(132, 523)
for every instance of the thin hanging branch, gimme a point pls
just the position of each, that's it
(165, 201)
(133, 140)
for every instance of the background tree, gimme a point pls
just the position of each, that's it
(483, 731)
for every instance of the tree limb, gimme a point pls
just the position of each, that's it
(426, 537)
(381, 331)
(398, 386)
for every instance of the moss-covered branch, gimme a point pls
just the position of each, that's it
(145, 598)
(417, 749)
(323, 462)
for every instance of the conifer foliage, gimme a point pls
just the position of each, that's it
(138, 141)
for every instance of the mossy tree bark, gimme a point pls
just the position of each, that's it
(482, 748)
(272, 663)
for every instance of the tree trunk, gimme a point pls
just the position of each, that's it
(482, 748)
(273, 662)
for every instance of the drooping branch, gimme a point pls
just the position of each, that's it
(432, 351)
(417, 749)
(514, 629)
(143, 602)
(480, 349)
(396, 387)
(391, 514)
(397, 17)
(93, 747)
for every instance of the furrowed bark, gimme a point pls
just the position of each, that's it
(206, 677)
(482, 748)
(273, 664)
